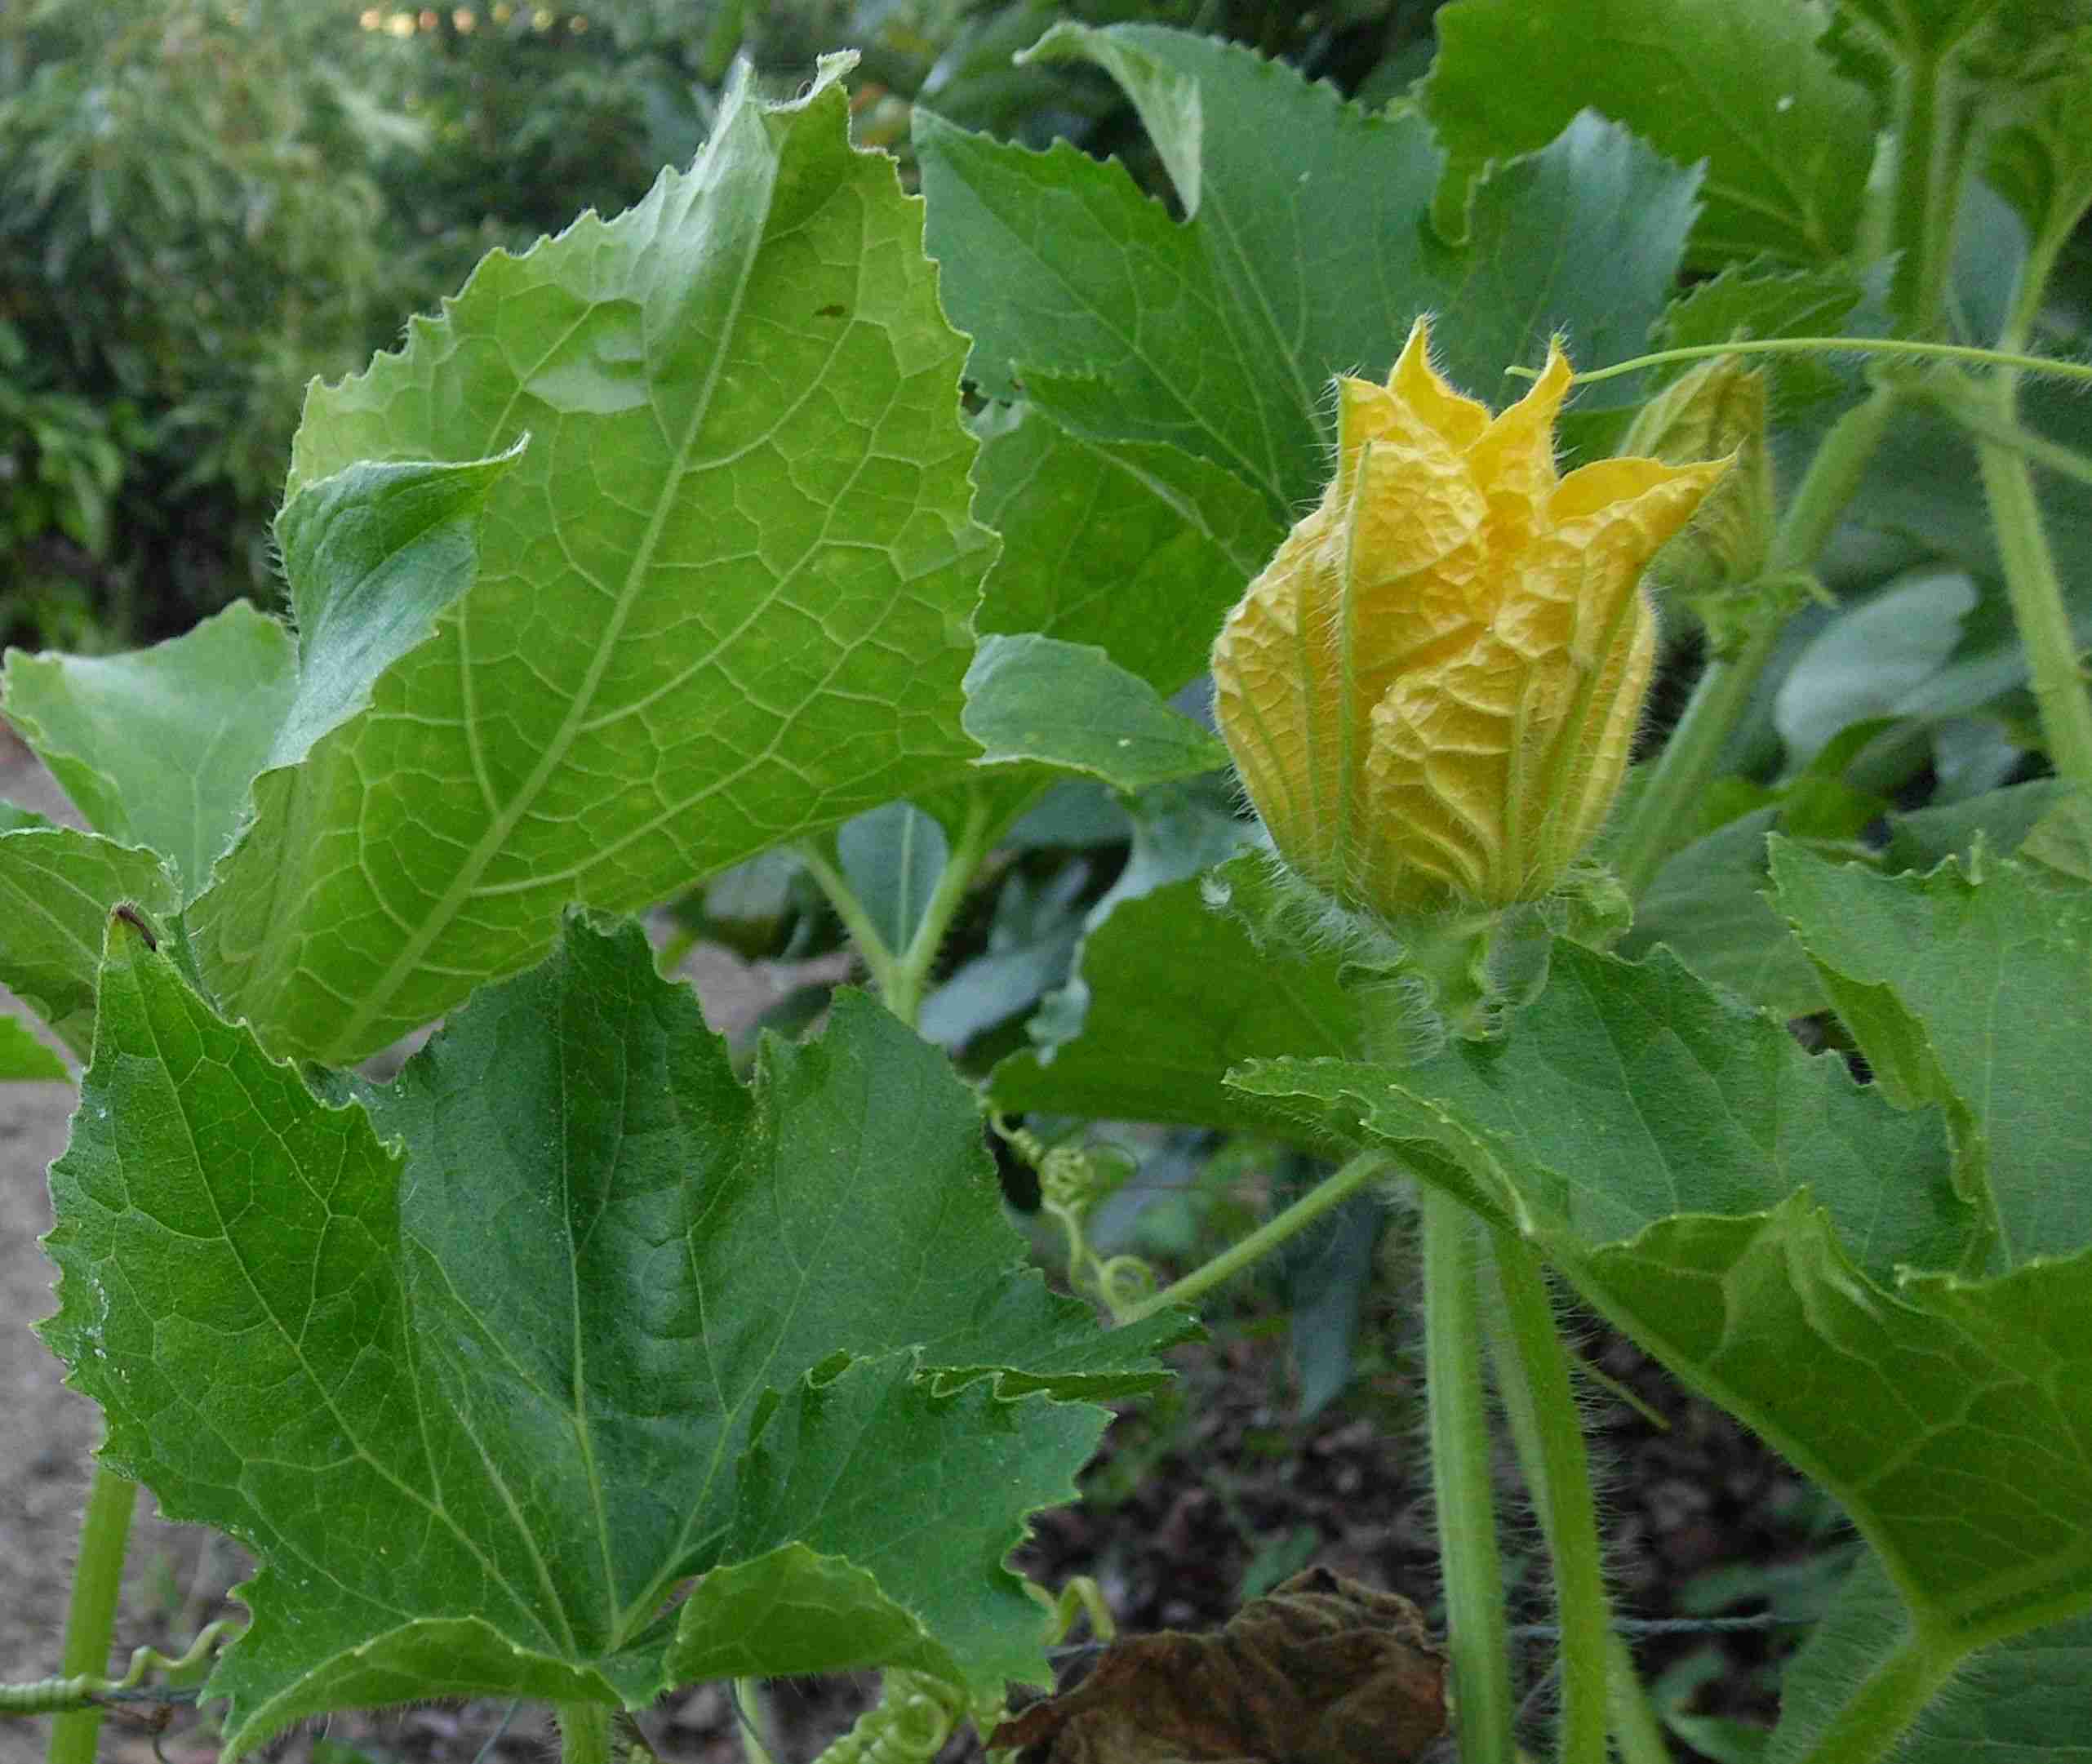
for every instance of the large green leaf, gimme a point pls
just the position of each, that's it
(483, 1363)
(1786, 141)
(722, 600)
(1219, 335)
(159, 748)
(1974, 983)
(1786, 1240)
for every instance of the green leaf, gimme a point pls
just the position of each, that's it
(1707, 906)
(1219, 335)
(483, 1363)
(159, 748)
(1758, 1221)
(1875, 659)
(57, 886)
(1139, 549)
(1178, 990)
(2022, 1702)
(1786, 141)
(1628, 1094)
(1070, 705)
(1975, 984)
(722, 600)
(23, 1058)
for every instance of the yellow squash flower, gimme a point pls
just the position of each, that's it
(1432, 690)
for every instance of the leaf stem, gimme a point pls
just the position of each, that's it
(1332, 1191)
(870, 947)
(584, 1732)
(1463, 1483)
(1690, 758)
(91, 1617)
(1533, 1378)
(1889, 1701)
(911, 974)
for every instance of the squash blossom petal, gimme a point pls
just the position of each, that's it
(1432, 689)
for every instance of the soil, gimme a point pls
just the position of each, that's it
(1197, 1502)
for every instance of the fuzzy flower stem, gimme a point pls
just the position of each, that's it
(1463, 1481)
(1533, 1380)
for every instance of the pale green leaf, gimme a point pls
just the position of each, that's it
(1037, 699)
(722, 600)
(482, 1364)
(892, 857)
(1786, 141)
(159, 748)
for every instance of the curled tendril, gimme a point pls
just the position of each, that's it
(59, 1696)
(1073, 1179)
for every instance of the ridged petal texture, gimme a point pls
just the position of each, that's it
(1432, 690)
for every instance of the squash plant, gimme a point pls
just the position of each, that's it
(568, 1366)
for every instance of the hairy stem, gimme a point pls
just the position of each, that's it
(1462, 1482)
(1533, 1378)
(584, 1732)
(91, 1619)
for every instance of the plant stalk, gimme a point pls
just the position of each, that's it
(1462, 1481)
(1928, 170)
(1539, 1402)
(1332, 1191)
(91, 1619)
(584, 1732)
(2031, 582)
(1636, 1733)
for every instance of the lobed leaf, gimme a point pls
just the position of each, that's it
(484, 1364)
(720, 600)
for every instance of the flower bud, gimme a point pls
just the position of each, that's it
(1432, 690)
(1718, 408)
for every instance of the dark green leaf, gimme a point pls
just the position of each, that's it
(1786, 141)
